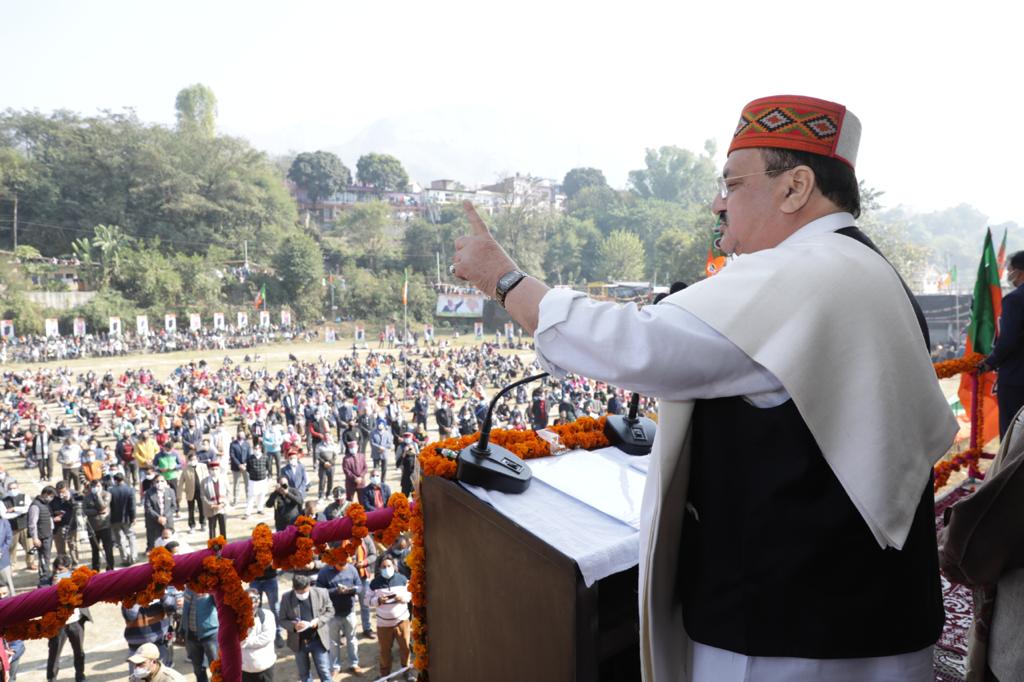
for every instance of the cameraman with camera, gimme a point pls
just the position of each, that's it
(286, 502)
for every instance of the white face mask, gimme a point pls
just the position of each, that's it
(387, 573)
(303, 596)
(293, 460)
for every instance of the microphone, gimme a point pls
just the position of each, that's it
(492, 466)
(632, 434)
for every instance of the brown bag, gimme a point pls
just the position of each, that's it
(984, 534)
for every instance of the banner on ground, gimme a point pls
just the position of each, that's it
(195, 322)
(264, 318)
(170, 322)
(478, 330)
(114, 326)
(428, 332)
(360, 333)
(510, 330)
(78, 326)
(459, 305)
(218, 321)
(7, 329)
(330, 335)
(141, 325)
(286, 318)
(243, 320)
(389, 331)
(51, 327)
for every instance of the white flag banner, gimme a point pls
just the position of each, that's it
(114, 326)
(141, 325)
(78, 327)
(264, 318)
(170, 322)
(195, 322)
(52, 328)
(243, 320)
(286, 318)
(218, 321)
(7, 329)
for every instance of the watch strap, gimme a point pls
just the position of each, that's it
(510, 280)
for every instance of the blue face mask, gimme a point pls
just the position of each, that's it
(387, 573)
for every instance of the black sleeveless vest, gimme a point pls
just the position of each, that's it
(777, 561)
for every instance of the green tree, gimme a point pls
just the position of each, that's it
(366, 231)
(572, 251)
(300, 268)
(320, 174)
(383, 172)
(675, 174)
(150, 279)
(621, 257)
(196, 108)
(579, 178)
(679, 255)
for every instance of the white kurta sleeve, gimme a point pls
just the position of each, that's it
(660, 351)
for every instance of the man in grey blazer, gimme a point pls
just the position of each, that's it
(305, 613)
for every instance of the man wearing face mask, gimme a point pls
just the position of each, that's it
(148, 666)
(158, 506)
(15, 510)
(405, 460)
(381, 445)
(40, 530)
(389, 592)
(295, 472)
(353, 465)
(97, 512)
(188, 490)
(306, 613)
(65, 522)
(73, 631)
(213, 492)
(376, 494)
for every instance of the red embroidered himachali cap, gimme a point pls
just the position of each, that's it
(803, 124)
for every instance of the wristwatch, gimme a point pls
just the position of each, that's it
(507, 283)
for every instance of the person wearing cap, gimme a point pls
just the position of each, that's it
(213, 492)
(790, 502)
(148, 666)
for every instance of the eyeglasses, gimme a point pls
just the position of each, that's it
(723, 188)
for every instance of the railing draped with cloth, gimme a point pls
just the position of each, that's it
(122, 584)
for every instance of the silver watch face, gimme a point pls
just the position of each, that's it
(506, 280)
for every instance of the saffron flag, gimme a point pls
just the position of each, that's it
(1001, 257)
(716, 258)
(405, 289)
(261, 297)
(981, 336)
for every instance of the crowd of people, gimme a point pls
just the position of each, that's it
(176, 458)
(37, 348)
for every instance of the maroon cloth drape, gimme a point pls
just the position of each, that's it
(116, 585)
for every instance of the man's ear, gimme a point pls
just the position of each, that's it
(799, 186)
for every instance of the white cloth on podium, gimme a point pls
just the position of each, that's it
(584, 504)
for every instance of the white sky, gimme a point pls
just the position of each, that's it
(935, 84)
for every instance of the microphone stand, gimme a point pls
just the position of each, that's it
(492, 466)
(632, 434)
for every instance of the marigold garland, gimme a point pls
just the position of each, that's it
(399, 504)
(971, 456)
(162, 562)
(303, 554)
(338, 556)
(262, 553)
(69, 597)
(950, 368)
(439, 459)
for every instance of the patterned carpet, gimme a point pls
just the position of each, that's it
(951, 649)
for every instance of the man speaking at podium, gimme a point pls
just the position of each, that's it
(787, 529)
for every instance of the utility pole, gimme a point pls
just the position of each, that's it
(15, 223)
(245, 250)
(438, 254)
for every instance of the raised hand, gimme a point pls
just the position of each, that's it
(479, 259)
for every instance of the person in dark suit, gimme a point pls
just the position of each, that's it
(158, 505)
(73, 630)
(122, 518)
(375, 495)
(1007, 356)
(306, 613)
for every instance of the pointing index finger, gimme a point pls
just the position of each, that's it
(479, 228)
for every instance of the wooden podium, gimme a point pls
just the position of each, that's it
(504, 605)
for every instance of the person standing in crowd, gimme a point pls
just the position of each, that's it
(405, 460)
(15, 510)
(122, 518)
(6, 542)
(267, 585)
(381, 447)
(168, 466)
(420, 409)
(238, 454)
(539, 410)
(11, 652)
(748, 430)
(213, 492)
(342, 586)
(40, 529)
(73, 631)
(286, 502)
(158, 507)
(375, 495)
(97, 512)
(364, 421)
(295, 472)
(389, 593)
(1007, 356)
(189, 484)
(326, 457)
(365, 561)
(258, 470)
(147, 659)
(445, 419)
(71, 462)
(43, 453)
(306, 614)
(353, 465)
(273, 437)
(258, 655)
(65, 522)
(124, 451)
(206, 452)
(336, 509)
(199, 622)
(145, 451)
(151, 624)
